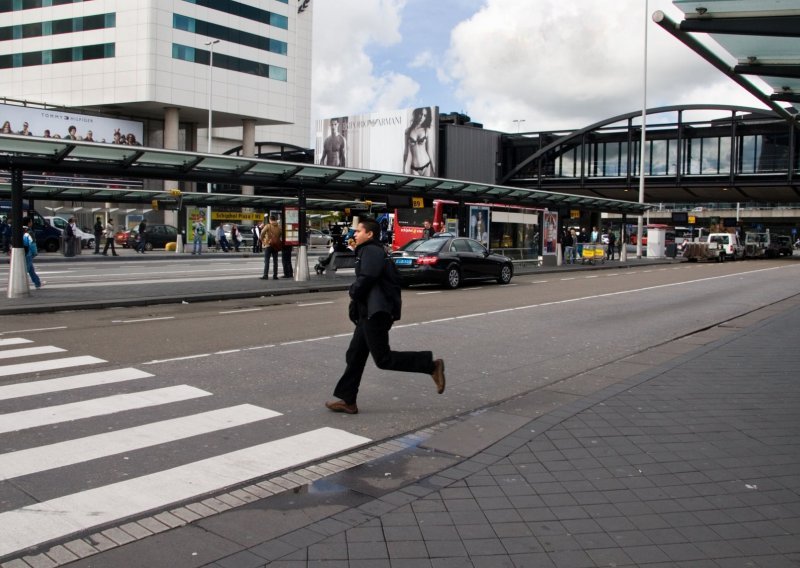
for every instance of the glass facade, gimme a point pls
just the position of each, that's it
(700, 155)
(244, 11)
(55, 27)
(222, 61)
(17, 5)
(53, 56)
(200, 27)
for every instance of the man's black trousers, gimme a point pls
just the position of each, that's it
(371, 336)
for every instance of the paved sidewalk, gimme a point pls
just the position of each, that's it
(683, 455)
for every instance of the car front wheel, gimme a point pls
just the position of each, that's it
(506, 272)
(148, 246)
(453, 277)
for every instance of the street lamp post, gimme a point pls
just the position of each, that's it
(210, 45)
(518, 122)
(642, 154)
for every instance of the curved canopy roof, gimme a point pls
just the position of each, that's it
(273, 180)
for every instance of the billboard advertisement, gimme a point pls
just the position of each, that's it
(401, 141)
(53, 123)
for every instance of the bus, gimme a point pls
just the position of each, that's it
(512, 229)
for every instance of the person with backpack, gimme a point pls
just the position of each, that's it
(272, 241)
(29, 244)
(375, 304)
(199, 233)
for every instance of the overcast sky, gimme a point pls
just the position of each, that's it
(556, 64)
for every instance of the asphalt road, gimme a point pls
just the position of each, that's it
(285, 353)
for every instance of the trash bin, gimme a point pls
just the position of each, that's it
(672, 250)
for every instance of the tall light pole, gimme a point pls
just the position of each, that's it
(640, 225)
(518, 122)
(210, 45)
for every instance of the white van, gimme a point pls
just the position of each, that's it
(87, 239)
(730, 243)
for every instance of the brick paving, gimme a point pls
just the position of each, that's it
(693, 463)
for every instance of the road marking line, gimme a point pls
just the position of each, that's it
(594, 276)
(259, 347)
(155, 361)
(470, 316)
(24, 419)
(33, 330)
(28, 351)
(143, 320)
(313, 304)
(501, 311)
(563, 279)
(43, 458)
(37, 366)
(242, 311)
(14, 341)
(226, 352)
(540, 282)
(41, 522)
(68, 383)
(426, 293)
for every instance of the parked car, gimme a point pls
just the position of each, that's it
(317, 237)
(157, 237)
(450, 260)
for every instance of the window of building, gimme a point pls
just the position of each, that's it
(208, 29)
(18, 5)
(244, 11)
(54, 27)
(222, 61)
(52, 56)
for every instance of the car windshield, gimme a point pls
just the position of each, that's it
(412, 245)
(430, 245)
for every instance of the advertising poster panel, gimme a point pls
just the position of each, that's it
(401, 141)
(479, 224)
(52, 123)
(550, 233)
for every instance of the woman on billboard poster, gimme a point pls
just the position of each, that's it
(417, 156)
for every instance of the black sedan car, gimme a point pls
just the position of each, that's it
(450, 260)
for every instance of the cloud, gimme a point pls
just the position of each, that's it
(345, 80)
(563, 65)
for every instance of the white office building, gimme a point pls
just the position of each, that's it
(148, 60)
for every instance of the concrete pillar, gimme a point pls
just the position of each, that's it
(18, 269)
(171, 130)
(248, 149)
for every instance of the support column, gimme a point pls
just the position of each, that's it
(249, 150)
(18, 270)
(301, 273)
(171, 129)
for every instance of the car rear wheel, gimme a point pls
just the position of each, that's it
(51, 245)
(453, 278)
(148, 246)
(506, 272)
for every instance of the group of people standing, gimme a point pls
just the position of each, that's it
(572, 241)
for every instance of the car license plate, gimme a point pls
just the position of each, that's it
(403, 261)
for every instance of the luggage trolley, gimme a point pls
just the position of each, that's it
(593, 252)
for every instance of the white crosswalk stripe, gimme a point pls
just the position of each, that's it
(28, 351)
(24, 419)
(70, 514)
(13, 341)
(61, 517)
(72, 382)
(42, 458)
(49, 365)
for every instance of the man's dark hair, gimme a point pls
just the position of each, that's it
(371, 226)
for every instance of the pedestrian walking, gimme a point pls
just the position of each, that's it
(142, 236)
(257, 237)
(70, 235)
(109, 233)
(568, 241)
(235, 240)
(612, 244)
(286, 258)
(199, 232)
(5, 235)
(29, 244)
(271, 239)
(98, 234)
(222, 240)
(375, 304)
